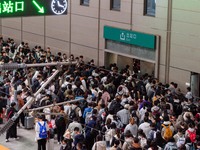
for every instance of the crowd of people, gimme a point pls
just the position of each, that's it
(116, 109)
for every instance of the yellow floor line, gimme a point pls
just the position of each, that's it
(3, 148)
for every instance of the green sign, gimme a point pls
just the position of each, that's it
(20, 8)
(130, 37)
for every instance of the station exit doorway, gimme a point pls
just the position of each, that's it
(136, 65)
(195, 83)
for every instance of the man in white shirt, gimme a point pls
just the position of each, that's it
(74, 124)
(132, 127)
(145, 126)
(124, 114)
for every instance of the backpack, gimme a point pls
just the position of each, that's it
(155, 112)
(88, 116)
(35, 85)
(172, 147)
(51, 133)
(193, 109)
(168, 132)
(177, 108)
(43, 131)
(113, 107)
(72, 114)
(110, 90)
(152, 134)
(101, 120)
(190, 146)
(192, 136)
(92, 131)
(181, 141)
(141, 88)
(60, 121)
(197, 117)
(78, 92)
(12, 48)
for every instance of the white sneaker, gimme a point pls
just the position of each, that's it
(17, 138)
(7, 140)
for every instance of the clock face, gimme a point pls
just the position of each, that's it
(59, 6)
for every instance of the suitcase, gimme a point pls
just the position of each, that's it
(50, 144)
(29, 122)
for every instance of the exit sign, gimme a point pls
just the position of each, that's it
(130, 37)
(21, 8)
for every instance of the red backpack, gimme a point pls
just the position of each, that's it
(192, 136)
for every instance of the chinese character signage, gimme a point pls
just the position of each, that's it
(130, 37)
(20, 8)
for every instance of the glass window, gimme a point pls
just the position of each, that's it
(85, 2)
(115, 4)
(150, 7)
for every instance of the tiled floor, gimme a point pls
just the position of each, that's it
(26, 141)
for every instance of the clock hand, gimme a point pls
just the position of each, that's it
(58, 2)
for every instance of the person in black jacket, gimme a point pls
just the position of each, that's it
(12, 131)
(60, 126)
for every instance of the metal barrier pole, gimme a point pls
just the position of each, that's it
(57, 104)
(13, 66)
